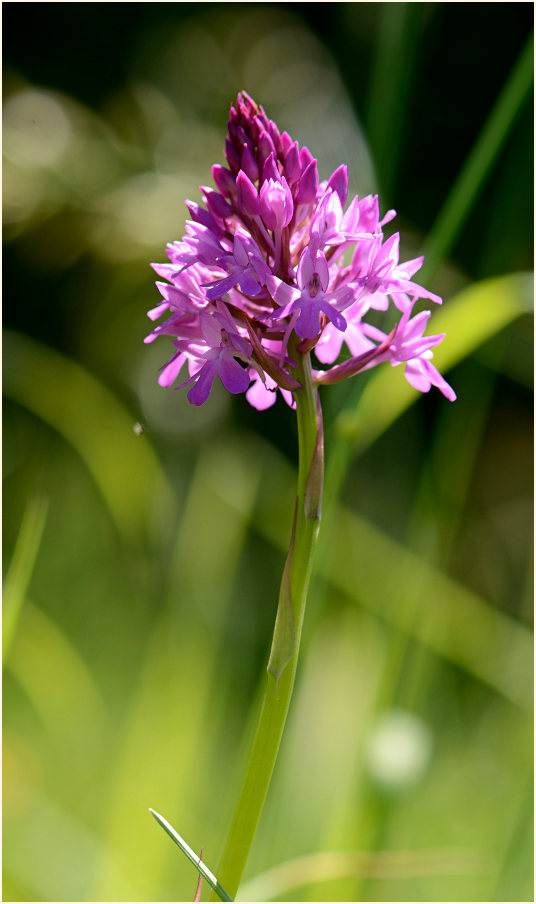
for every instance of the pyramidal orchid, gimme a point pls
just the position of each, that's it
(274, 266)
(260, 278)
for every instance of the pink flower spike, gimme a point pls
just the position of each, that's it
(270, 261)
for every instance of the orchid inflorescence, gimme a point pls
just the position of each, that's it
(263, 275)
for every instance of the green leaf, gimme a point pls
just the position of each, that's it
(84, 411)
(21, 568)
(193, 858)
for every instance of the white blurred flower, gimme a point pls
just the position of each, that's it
(398, 749)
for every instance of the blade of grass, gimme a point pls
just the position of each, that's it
(199, 583)
(501, 653)
(90, 417)
(330, 865)
(479, 164)
(433, 524)
(390, 84)
(59, 684)
(21, 568)
(193, 858)
(48, 851)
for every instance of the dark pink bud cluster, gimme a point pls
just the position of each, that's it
(261, 275)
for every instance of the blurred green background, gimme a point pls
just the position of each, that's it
(141, 571)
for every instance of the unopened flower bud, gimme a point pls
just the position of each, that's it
(249, 164)
(266, 147)
(308, 185)
(292, 163)
(224, 179)
(200, 215)
(276, 205)
(256, 128)
(217, 205)
(270, 170)
(305, 157)
(286, 142)
(273, 131)
(339, 183)
(232, 155)
(247, 195)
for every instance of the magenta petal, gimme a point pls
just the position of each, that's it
(437, 380)
(308, 325)
(249, 283)
(328, 349)
(157, 312)
(200, 391)
(171, 370)
(221, 287)
(415, 376)
(234, 377)
(411, 267)
(166, 271)
(258, 394)
(333, 315)
(281, 292)
(339, 183)
(306, 268)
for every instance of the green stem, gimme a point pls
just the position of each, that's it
(286, 641)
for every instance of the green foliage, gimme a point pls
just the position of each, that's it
(140, 596)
